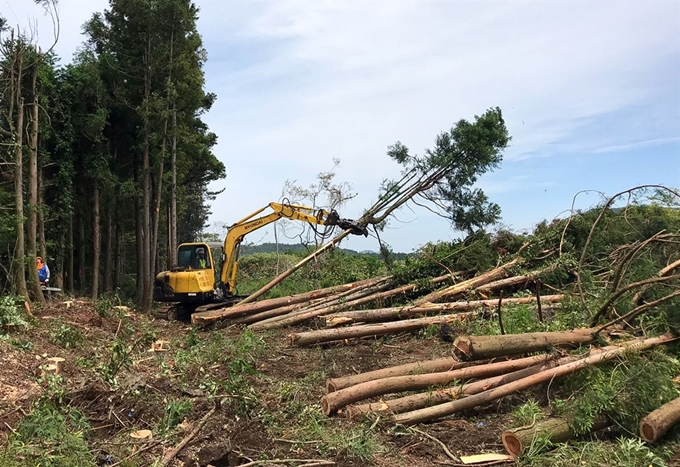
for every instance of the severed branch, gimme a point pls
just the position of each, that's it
(171, 454)
(637, 311)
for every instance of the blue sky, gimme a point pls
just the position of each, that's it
(590, 91)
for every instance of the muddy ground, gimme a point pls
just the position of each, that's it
(266, 407)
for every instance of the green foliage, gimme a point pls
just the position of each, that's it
(625, 390)
(527, 414)
(173, 414)
(66, 336)
(625, 452)
(464, 153)
(120, 357)
(11, 314)
(51, 437)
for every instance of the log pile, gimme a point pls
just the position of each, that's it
(454, 386)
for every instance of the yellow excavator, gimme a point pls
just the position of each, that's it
(206, 271)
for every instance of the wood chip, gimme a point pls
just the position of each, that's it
(480, 458)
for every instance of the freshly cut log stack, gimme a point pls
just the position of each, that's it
(448, 380)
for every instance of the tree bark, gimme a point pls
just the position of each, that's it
(32, 218)
(81, 254)
(428, 366)
(333, 401)
(291, 270)
(654, 425)
(302, 339)
(438, 396)
(96, 240)
(472, 283)
(481, 347)
(20, 255)
(448, 408)
(556, 430)
(42, 242)
(264, 305)
(396, 313)
(69, 256)
(365, 295)
(108, 247)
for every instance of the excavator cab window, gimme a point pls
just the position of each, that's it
(193, 257)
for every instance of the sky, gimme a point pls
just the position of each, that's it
(590, 92)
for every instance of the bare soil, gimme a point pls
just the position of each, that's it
(283, 393)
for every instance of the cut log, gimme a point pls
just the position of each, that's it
(333, 401)
(556, 430)
(472, 283)
(417, 368)
(264, 305)
(396, 313)
(360, 297)
(269, 315)
(439, 396)
(483, 347)
(657, 423)
(448, 408)
(302, 339)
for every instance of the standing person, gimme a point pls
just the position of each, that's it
(43, 271)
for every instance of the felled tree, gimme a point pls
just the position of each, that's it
(441, 180)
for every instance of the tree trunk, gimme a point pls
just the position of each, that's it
(302, 339)
(396, 313)
(481, 347)
(108, 248)
(20, 255)
(264, 305)
(428, 366)
(462, 287)
(96, 241)
(448, 408)
(42, 243)
(291, 270)
(32, 219)
(438, 396)
(657, 423)
(555, 430)
(120, 257)
(82, 276)
(146, 278)
(333, 401)
(69, 256)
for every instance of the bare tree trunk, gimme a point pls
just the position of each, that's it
(658, 422)
(42, 243)
(448, 408)
(482, 347)
(20, 252)
(403, 312)
(82, 276)
(108, 248)
(69, 256)
(556, 430)
(302, 339)
(96, 241)
(428, 366)
(173, 193)
(32, 219)
(290, 271)
(333, 401)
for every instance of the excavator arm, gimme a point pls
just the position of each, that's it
(250, 223)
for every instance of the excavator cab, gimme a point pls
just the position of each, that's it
(195, 278)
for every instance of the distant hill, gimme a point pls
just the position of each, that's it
(295, 248)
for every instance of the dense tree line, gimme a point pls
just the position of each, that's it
(105, 161)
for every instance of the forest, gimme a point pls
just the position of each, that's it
(556, 345)
(118, 126)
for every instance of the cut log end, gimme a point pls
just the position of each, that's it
(648, 432)
(325, 406)
(331, 386)
(513, 445)
(462, 348)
